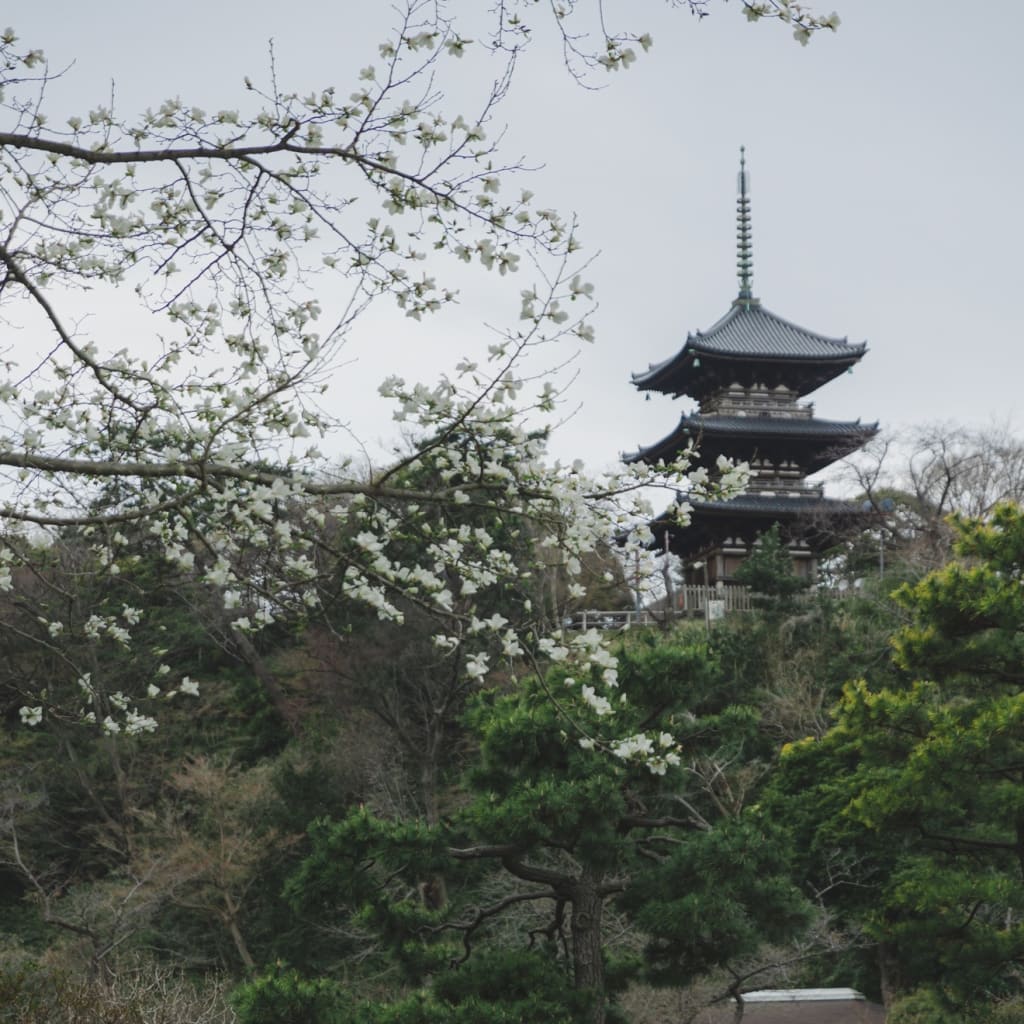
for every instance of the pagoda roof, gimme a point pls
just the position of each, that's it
(815, 443)
(751, 345)
(809, 518)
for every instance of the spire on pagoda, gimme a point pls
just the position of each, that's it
(748, 372)
(744, 243)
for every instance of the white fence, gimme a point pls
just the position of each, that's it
(688, 602)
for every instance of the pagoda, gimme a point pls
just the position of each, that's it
(748, 373)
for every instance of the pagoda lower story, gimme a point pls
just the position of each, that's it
(721, 534)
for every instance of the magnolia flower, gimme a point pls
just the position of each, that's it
(577, 286)
(219, 574)
(136, 723)
(476, 667)
(600, 705)
(31, 716)
(189, 686)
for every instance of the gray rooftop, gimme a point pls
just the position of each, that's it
(856, 1010)
(775, 426)
(823, 441)
(751, 330)
(750, 333)
(789, 504)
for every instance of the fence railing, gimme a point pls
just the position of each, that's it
(695, 597)
(687, 601)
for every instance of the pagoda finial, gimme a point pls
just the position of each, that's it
(744, 245)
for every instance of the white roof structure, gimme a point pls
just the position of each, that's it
(802, 995)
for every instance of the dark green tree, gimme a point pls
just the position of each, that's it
(768, 570)
(557, 824)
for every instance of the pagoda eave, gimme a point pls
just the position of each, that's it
(714, 371)
(751, 345)
(817, 523)
(808, 443)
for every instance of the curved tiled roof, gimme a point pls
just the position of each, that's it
(774, 426)
(780, 504)
(751, 334)
(748, 329)
(814, 441)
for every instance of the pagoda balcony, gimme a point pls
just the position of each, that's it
(778, 408)
(769, 486)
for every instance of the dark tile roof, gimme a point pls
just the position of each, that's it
(748, 329)
(819, 522)
(750, 334)
(775, 426)
(816, 443)
(754, 505)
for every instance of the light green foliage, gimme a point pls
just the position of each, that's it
(969, 616)
(920, 785)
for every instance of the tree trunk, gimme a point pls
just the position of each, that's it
(587, 959)
(889, 973)
(433, 888)
(271, 686)
(230, 916)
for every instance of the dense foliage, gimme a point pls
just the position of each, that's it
(317, 733)
(795, 826)
(912, 799)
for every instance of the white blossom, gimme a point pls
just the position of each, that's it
(476, 666)
(31, 715)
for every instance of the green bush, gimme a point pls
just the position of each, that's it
(498, 988)
(287, 998)
(924, 1006)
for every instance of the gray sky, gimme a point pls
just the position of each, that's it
(885, 162)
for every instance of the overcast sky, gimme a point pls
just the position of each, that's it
(885, 163)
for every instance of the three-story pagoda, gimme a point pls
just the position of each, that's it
(747, 374)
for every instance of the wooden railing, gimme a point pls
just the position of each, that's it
(693, 597)
(689, 601)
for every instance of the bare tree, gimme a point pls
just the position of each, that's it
(910, 484)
